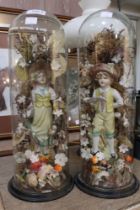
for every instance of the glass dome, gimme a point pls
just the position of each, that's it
(38, 100)
(107, 105)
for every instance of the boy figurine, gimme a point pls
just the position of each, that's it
(106, 100)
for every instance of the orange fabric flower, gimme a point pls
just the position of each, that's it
(58, 168)
(94, 159)
(129, 158)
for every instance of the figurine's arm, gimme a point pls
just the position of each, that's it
(53, 94)
(33, 96)
(94, 98)
(97, 98)
(118, 99)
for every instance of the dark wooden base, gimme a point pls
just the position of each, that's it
(119, 192)
(33, 196)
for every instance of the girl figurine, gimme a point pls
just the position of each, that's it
(42, 98)
(106, 100)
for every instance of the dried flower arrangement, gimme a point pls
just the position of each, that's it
(39, 139)
(103, 167)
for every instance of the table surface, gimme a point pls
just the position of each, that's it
(75, 200)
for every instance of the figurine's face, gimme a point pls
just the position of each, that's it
(41, 79)
(104, 79)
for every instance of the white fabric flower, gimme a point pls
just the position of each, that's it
(85, 153)
(123, 148)
(20, 157)
(27, 113)
(28, 153)
(53, 130)
(21, 99)
(22, 62)
(117, 115)
(82, 132)
(125, 122)
(34, 158)
(85, 123)
(85, 117)
(117, 58)
(20, 128)
(55, 65)
(61, 159)
(54, 127)
(100, 156)
(31, 156)
(58, 112)
(85, 120)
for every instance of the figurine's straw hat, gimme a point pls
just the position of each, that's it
(102, 67)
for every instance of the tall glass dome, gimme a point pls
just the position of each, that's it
(107, 105)
(38, 99)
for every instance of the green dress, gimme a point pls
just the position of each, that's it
(42, 117)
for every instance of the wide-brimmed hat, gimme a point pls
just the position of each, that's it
(102, 67)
